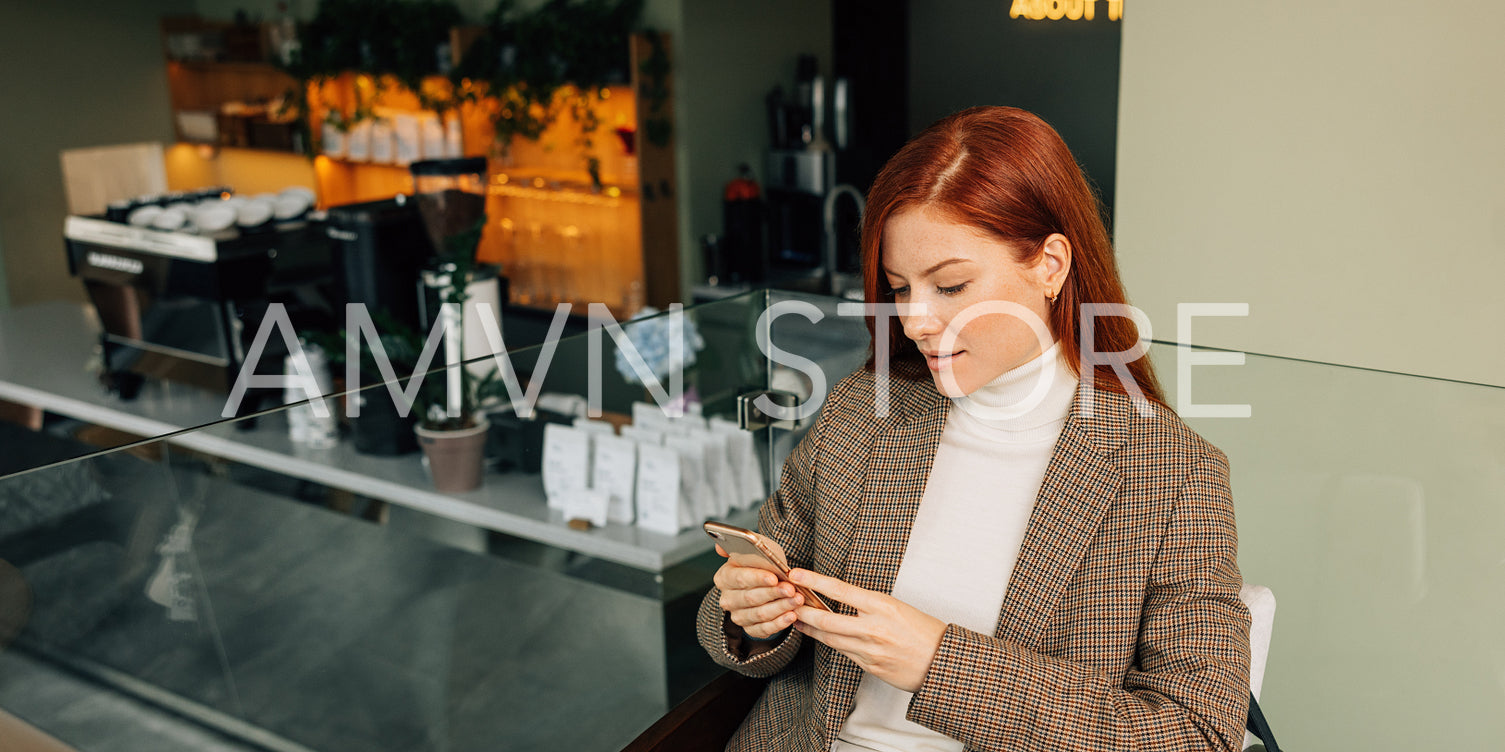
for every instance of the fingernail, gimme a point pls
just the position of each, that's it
(797, 575)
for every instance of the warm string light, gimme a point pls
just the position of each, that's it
(609, 198)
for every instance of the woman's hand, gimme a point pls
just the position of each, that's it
(758, 602)
(888, 638)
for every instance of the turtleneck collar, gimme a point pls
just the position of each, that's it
(1026, 397)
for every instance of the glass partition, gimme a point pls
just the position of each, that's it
(54, 402)
(811, 346)
(1373, 505)
(307, 595)
(298, 596)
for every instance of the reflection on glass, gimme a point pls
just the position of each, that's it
(332, 599)
(322, 597)
(1370, 504)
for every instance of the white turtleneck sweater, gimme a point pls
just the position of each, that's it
(968, 530)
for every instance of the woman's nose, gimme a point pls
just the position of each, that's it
(921, 322)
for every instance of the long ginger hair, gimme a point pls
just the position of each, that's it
(1007, 173)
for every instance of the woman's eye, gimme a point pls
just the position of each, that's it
(897, 291)
(953, 290)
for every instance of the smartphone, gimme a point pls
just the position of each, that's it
(748, 549)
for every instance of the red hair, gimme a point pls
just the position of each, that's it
(1007, 173)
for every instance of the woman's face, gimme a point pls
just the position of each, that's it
(969, 286)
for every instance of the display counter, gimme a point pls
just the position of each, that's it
(214, 572)
(239, 579)
(44, 354)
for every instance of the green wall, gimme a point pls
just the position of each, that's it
(1336, 168)
(80, 74)
(4, 290)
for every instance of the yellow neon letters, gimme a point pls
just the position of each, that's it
(1071, 10)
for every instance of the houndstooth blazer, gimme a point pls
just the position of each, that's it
(1121, 627)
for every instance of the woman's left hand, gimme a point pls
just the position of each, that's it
(888, 638)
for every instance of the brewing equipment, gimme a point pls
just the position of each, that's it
(185, 307)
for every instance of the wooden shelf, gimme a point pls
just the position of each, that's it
(565, 240)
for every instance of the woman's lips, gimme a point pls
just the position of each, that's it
(937, 362)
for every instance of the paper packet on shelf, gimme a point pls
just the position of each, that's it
(658, 489)
(697, 478)
(648, 415)
(358, 142)
(743, 454)
(614, 463)
(643, 435)
(332, 141)
(407, 137)
(595, 426)
(586, 504)
(725, 483)
(566, 462)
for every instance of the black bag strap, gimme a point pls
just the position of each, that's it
(1259, 727)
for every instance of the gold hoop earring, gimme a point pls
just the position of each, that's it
(1051, 296)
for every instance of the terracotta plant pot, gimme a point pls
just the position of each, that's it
(455, 457)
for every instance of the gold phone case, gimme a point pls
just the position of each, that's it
(751, 549)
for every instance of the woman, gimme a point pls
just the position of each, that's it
(1025, 556)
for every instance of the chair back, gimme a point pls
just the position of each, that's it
(95, 176)
(1261, 603)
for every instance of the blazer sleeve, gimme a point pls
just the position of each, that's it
(1187, 688)
(788, 516)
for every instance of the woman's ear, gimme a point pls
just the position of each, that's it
(1054, 263)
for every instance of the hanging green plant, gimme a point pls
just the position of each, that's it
(582, 107)
(528, 57)
(417, 42)
(343, 121)
(407, 40)
(524, 59)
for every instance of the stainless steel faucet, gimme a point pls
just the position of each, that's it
(838, 283)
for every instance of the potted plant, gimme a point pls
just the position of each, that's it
(454, 444)
(451, 428)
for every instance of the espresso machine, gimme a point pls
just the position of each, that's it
(813, 222)
(186, 307)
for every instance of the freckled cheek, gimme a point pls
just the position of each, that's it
(973, 329)
(991, 331)
(1018, 337)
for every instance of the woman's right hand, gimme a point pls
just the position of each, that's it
(756, 599)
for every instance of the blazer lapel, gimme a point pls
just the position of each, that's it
(897, 468)
(1080, 485)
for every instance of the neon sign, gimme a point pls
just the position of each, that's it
(1071, 10)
